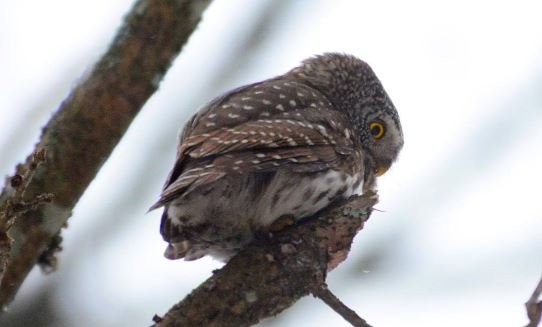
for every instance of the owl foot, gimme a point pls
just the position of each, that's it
(281, 223)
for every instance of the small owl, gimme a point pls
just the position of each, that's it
(288, 146)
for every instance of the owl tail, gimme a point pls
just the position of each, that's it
(183, 250)
(176, 250)
(178, 247)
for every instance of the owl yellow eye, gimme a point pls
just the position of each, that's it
(377, 129)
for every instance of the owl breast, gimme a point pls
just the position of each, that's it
(304, 196)
(223, 219)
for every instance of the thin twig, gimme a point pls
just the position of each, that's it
(324, 293)
(15, 205)
(534, 306)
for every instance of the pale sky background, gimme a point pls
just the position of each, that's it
(459, 238)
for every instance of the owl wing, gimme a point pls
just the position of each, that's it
(306, 137)
(193, 126)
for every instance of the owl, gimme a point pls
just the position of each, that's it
(288, 146)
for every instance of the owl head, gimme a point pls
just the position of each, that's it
(353, 88)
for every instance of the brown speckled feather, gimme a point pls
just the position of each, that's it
(302, 134)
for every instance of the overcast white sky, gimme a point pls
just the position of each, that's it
(460, 234)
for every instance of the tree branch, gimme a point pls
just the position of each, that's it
(83, 132)
(269, 275)
(534, 306)
(324, 294)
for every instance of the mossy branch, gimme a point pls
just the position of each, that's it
(83, 132)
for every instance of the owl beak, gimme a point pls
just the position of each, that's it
(382, 169)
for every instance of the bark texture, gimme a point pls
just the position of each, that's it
(534, 306)
(269, 275)
(83, 132)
